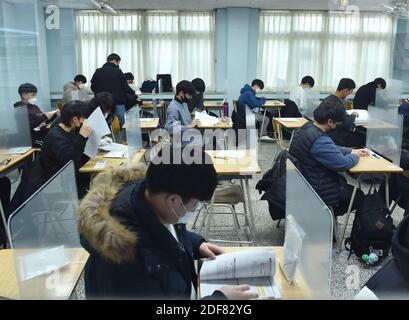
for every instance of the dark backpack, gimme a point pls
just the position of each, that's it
(273, 184)
(372, 229)
(148, 86)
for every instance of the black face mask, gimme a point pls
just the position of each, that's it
(186, 100)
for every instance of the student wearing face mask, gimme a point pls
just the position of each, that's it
(64, 142)
(178, 118)
(76, 90)
(320, 160)
(345, 134)
(248, 97)
(138, 242)
(38, 120)
(131, 99)
(110, 78)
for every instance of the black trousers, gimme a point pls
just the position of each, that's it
(345, 195)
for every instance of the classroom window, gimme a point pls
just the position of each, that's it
(326, 45)
(149, 43)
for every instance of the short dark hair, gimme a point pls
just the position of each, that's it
(381, 82)
(326, 111)
(186, 87)
(113, 57)
(129, 76)
(26, 88)
(73, 109)
(105, 100)
(189, 181)
(80, 78)
(346, 83)
(308, 80)
(259, 83)
(199, 85)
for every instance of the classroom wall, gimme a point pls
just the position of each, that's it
(61, 49)
(22, 51)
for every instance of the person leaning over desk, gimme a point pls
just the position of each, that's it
(133, 224)
(63, 143)
(320, 159)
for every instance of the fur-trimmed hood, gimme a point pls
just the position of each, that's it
(103, 232)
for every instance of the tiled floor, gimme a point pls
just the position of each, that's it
(347, 276)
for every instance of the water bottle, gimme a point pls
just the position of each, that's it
(225, 108)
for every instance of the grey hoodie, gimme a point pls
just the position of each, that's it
(72, 92)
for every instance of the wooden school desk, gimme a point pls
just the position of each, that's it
(89, 167)
(9, 163)
(220, 125)
(368, 165)
(296, 291)
(39, 287)
(241, 169)
(290, 124)
(271, 104)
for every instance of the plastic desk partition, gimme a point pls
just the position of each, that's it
(384, 133)
(44, 236)
(314, 220)
(133, 132)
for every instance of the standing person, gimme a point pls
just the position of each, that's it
(76, 90)
(366, 94)
(345, 135)
(110, 78)
(38, 120)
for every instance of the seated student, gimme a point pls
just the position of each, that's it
(366, 94)
(344, 135)
(75, 90)
(392, 280)
(133, 224)
(38, 120)
(297, 94)
(131, 98)
(177, 112)
(197, 100)
(248, 97)
(320, 159)
(64, 142)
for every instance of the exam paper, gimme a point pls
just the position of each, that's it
(18, 150)
(362, 116)
(290, 119)
(116, 154)
(236, 154)
(205, 119)
(99, 129)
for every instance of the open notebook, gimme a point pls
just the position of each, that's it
(255, 267)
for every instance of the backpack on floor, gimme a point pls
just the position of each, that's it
(372, 229)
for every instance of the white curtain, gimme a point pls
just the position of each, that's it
(325, 45)
(149, 43)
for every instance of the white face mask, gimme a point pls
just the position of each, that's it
(81, 86)
(106, 114)
(32, 100)
(189, 215)
(258, 90)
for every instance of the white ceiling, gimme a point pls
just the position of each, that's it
(201, 5)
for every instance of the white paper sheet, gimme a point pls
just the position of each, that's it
(41, 262)
(113, 147)
(99, 129)
(205, 119)
(235, 154)
(116, 154)
(290, 119)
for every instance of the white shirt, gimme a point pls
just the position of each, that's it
(172, 231)
(298, 96)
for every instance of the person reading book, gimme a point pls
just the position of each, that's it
(133, 224)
